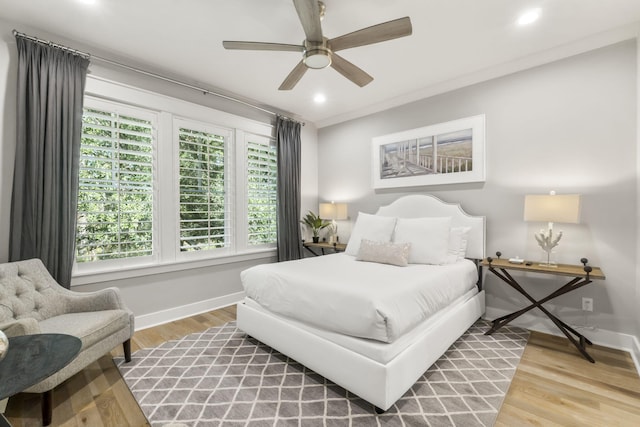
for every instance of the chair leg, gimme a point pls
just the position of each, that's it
(127, 350)
(47, 407)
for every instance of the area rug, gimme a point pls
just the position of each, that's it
(221, 377)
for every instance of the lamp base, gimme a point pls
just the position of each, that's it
(547, 242)
(547, 260)
(547, 264)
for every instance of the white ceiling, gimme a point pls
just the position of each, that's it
(451, 39)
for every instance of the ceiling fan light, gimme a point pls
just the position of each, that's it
(319, 98)
(317, 59)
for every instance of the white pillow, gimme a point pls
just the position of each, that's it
(370, 227)
(458, 239)
(429, 238)
(384, 252)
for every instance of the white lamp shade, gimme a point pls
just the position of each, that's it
(333, 211)
(563, 208)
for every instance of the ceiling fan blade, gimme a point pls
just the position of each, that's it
(262, 46)
(375, 34)
(309, 14)
(294, 77)
(350, 71)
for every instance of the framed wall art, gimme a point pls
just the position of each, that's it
(445, 153)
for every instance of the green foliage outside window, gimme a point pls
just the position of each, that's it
(202, 191)
(115, 198)
(262, 174)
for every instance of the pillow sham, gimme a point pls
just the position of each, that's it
(429, 238)
(458, 239)
(384, 252)
(370, 227)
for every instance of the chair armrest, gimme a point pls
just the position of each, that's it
(26, 326)
(104, 299)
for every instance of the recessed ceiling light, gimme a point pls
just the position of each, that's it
(89, 2)
(319, 98)
(529, 17)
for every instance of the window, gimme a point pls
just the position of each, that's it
(204, 207)
(171, 183)
(115, 198)
(262, 174)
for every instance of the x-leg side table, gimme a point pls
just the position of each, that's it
(335, 247)
(582, 275)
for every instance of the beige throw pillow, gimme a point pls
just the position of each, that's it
(384, 252)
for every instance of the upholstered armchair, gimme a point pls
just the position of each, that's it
(32, 302)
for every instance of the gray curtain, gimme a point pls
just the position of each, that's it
(50, 93)
(289, 155)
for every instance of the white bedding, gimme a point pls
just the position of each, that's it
(361, 299)
(378, 351)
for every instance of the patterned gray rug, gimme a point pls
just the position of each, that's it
(222, 378)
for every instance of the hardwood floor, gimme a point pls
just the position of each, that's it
(554, 386)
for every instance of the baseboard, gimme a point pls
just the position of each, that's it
(602, 337)
(145, 321)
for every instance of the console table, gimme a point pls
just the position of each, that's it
(32, 358)
(581, 275)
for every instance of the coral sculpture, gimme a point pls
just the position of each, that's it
(547, 242)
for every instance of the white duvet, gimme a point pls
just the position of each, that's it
(361, 299)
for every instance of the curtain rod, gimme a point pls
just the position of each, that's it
(52, 44)
(150, 74)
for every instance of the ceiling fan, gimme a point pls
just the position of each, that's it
(319, 52)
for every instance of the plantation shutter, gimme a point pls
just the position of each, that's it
(204, 211)
(115, 200)
(262, 174)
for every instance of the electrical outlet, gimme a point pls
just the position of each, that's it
(587, 304)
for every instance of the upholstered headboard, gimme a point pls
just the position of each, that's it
(424, 205)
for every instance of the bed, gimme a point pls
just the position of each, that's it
(377, 345)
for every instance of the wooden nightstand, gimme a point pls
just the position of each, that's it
(336, 247)
(582, 275)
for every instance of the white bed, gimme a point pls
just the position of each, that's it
(378, 364)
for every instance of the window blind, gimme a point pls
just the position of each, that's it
(115, 198)
(204, 219)
(262, 170)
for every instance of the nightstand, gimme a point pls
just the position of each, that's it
(335, 247)
(582, 275)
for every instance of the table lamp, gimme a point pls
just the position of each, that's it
(333, 211)
(551, 208)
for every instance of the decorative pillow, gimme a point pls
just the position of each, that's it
(371, 227)
(458, 239)
(384, 252)
(429, 238)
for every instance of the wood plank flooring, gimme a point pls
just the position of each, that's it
(553, 386)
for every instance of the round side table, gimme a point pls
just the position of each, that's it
(32, 358)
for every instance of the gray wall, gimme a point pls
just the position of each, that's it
(568, 126)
